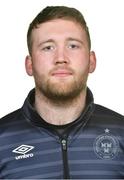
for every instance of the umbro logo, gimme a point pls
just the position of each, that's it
(22, 150)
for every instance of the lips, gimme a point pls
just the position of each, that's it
(62, 73)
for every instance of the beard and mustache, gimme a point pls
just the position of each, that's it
(61, 90)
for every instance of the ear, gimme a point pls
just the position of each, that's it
(92, 62)
(28, 65)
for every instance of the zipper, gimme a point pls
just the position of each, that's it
(65, 158)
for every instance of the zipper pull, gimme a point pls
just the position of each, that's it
(64, 144)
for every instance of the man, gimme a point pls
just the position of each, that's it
(60, 133)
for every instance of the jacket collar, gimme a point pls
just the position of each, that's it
(31, 114)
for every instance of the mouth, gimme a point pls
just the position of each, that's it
(62, 73)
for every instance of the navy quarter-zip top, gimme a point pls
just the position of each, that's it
(91, 147)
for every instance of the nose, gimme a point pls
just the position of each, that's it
(61, 56)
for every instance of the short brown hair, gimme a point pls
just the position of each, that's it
(57, 12)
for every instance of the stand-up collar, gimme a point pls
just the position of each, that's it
(31, 114)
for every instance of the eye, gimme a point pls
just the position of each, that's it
(48, 48)
(73, 46)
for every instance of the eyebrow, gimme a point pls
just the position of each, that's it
(75, 39)
(46, 41)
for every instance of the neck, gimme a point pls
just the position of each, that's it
(59, 113)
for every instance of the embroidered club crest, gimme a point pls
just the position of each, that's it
(106, 146)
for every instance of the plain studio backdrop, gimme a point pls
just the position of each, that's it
(106, 25)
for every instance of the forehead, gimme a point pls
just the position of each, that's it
(58, 27)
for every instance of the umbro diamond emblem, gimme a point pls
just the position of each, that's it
(22, 150)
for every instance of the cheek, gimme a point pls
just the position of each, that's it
(42, 60)
(81, 63)
(41, 67)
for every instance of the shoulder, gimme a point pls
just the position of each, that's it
(11, 117)
(105, 112)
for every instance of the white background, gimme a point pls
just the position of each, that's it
(105, 19)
